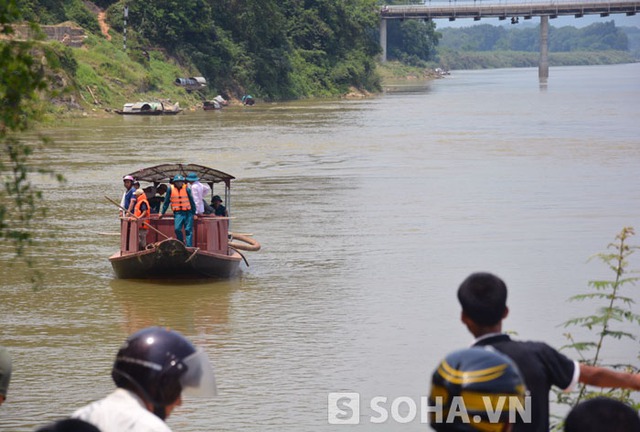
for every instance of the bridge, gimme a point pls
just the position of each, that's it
(477, 9)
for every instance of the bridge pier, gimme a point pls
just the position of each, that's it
(383, 40)
(543, 63)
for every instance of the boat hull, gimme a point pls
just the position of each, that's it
(171, 258)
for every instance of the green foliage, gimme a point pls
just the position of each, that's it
(412, 41)
(633, 36)
(76, 11)
(22, 83)
(449, 59)
(485, 37)
(613, 312)
(43, 11)
(114, 78)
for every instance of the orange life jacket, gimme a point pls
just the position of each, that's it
(138, 213)
(179, 199)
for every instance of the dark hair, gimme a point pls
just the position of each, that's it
(483, 298)
(602, 414)
(69, 425)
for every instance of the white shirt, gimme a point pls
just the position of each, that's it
(121, 411)
(198, 192)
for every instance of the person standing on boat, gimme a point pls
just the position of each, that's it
(128, 193)
(142, 212)
(152, 370)
(134, 197)
(183, 207)
(199, 191)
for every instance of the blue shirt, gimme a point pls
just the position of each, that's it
(127, 197)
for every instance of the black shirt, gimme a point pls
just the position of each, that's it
(541, 367)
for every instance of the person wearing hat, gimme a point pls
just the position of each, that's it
(5, 373)
(198, 191)
(125, 202)
(183, 207)
(141, 212)
(476, 389)
(218, 208)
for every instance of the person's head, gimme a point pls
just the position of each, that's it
(138, 192)
(5, 373)
(483, 297)
(161, 189)
(471, 386)
(159, 365)
(69, 425)
(136, 184)
(216, 201)
(178, 181)
(148, 191)
(128, 181)
(602, 414)
(192, 177)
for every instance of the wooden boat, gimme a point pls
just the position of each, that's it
(216, 251)
(149, 108)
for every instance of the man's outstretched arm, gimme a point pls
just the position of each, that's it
(603, 377)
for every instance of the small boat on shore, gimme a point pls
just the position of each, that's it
(149, 108)
(215, 252)
(214, 104)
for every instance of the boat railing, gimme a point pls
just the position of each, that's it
(210, 234)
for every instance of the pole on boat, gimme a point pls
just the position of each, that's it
(129, 213)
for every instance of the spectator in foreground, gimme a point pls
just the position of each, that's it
(483, 297)
(602, 414)
(151, 371)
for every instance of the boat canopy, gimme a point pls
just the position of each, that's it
(164, 172)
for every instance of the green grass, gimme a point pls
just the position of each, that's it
(116, 77)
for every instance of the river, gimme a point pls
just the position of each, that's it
(370, 213)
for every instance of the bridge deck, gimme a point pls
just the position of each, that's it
(478, 9)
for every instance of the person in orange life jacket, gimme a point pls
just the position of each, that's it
(183, 207)
(141, 212)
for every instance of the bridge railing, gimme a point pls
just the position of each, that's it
(502, 8)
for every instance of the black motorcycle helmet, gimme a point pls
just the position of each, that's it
(471, 378)
(159, 364)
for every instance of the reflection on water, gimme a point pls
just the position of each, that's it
(369, 212)
(198, 307)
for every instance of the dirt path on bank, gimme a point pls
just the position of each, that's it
(104, 27)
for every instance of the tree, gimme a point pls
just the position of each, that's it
(412, 39)
(21, 83)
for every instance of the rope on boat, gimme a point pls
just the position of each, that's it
(193, 254)
(252, 245)
(239, 253)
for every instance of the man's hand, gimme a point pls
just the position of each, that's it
(160, 215)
